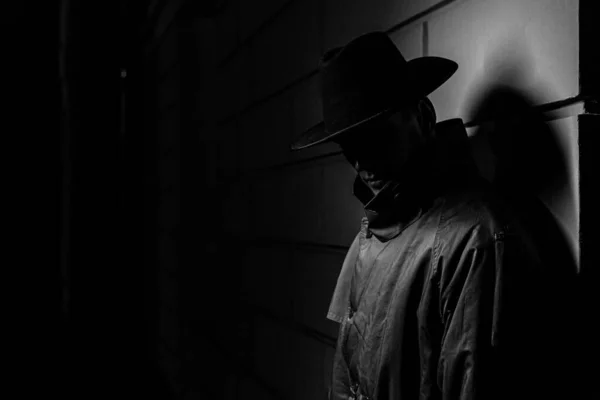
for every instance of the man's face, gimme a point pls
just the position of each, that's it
(379, 150)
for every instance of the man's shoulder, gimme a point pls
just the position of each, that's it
(476, 210)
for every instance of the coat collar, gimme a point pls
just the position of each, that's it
(405, 198)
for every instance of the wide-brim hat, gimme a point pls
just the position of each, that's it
(367, 79)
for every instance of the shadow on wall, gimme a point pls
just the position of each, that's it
(525, 148)
(523, 155)
(517, 149)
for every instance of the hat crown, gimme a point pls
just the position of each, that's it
(362, 78)
(367, 79)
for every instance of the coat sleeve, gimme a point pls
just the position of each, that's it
(502, 325)
(339, 300)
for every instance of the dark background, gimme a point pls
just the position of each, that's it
(151, 184)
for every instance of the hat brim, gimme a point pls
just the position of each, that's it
(428, 73)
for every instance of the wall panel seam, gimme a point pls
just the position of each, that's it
(289, 243)
(541, 108)
(264, 25)
(309, 74)
(295, 326)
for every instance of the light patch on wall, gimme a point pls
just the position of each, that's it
(524, 49)
(506, 58)
(565, 204)
(540, 36)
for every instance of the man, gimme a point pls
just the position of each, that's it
(442, 294)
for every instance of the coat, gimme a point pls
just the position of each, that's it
(446, 293)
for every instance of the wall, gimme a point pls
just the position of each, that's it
(252, 236)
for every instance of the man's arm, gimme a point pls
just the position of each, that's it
(503, 321)
(339, 299)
